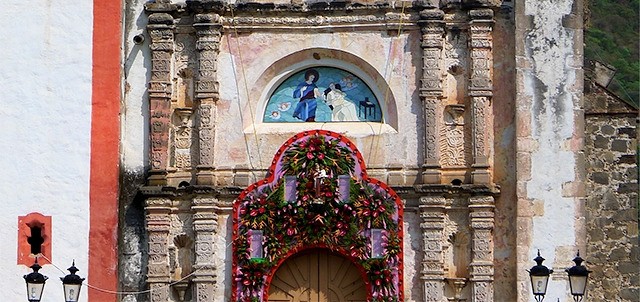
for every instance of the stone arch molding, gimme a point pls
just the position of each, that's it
(317, 195)
(285, 67)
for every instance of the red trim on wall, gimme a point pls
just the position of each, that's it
(105, 138)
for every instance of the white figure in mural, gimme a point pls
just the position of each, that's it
(342, 109)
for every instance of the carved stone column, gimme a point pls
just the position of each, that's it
(481, 217)
(160, 29)
(205, 225)
(208, 30)
(158, 226)
(432, 27)
(432, 213)
(480, 90)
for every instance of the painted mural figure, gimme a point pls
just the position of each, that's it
(342, 110)
(307, 92)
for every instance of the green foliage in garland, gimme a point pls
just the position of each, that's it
(318, 218)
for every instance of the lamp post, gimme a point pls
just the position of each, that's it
(539, 275)
(578, 275)
(35, 283)
(71, 284)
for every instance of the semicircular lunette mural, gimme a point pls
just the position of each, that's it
(317, 195)
(322, 94)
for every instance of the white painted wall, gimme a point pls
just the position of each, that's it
(45, 121)
(135, 114)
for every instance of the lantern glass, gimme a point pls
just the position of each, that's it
(539, 275)
(71, 292)
(34, 291)
(539, 284)
(578, 285)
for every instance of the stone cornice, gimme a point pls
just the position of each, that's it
(405, 192)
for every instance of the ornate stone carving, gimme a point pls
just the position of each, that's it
(160, 29)
(158, 225)
(432, 225)
(159, 292)
(182, 130)
(256, 23)
(452, 137)
(432, 28)
(206, 133)
(205, 226)
(208, 31)
(480, 88)
(481, 217)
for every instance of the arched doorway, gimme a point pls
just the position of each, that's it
(317, 276)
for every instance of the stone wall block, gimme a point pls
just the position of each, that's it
(523, 166)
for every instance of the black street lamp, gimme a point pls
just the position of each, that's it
(35, 283)
(539, 275)
(578, 275)
(71, 284)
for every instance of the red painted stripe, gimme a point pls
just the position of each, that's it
(105, 126)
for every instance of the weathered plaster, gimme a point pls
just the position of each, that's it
(548, 170)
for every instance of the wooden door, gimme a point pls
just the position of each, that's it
(317, 277)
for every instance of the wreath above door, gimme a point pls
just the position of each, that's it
(317, 194)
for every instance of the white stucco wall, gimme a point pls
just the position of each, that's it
(45, 118)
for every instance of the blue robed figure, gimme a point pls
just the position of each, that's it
(307, 92)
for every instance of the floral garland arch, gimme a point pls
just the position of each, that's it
(317, 195)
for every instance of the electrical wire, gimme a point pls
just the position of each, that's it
(246, 88)
(124, 292)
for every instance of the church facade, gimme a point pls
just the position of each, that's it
(326, 151)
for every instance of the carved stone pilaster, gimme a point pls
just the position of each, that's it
(158, 226)
(432, 27)
(160, 29)
(432, 214)
(480, 89)
(481, 217)
(208, 30)
(205, 226)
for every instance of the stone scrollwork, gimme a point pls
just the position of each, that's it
(452, 137)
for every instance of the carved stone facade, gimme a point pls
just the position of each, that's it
(212, 69)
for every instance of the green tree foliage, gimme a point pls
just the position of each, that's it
(612, 37)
